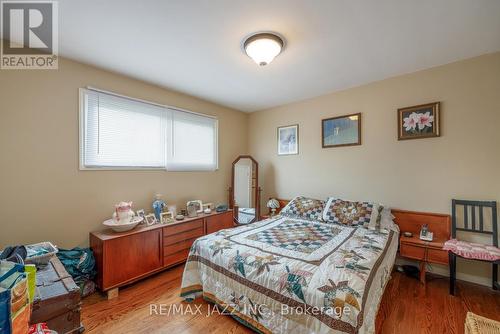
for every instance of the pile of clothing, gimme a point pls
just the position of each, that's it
(15, 254)
(80, 264)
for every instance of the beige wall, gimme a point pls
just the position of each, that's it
(44, 196)
(421, 175)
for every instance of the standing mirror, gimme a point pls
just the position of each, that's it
(244, 191)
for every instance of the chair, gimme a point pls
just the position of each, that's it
(473, 222)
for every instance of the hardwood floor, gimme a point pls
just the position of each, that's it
(407, 307)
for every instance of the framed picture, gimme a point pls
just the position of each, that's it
(150, 219)
(192, 210)
(141, 214)
(341, 131)
(288, 140)
(419, 121)
(167, 217)
(198, 205)
(172, 208)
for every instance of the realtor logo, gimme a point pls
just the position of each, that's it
(29, 35)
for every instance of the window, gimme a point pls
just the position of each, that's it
(119, 132)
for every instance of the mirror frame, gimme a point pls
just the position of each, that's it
(256, 195)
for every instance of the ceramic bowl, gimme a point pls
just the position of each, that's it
(122, 227)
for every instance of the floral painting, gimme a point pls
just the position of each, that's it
(418, 121)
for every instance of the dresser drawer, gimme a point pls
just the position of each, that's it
(182, 227)
(173, 239)
(437, 256)
(219, 222)
(174, 248)
(412, 252)
(176, 257)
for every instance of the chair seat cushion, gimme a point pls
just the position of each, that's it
(472, 250)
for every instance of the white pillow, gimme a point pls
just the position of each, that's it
(384, 220)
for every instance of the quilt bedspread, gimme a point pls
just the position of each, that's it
(287, 275)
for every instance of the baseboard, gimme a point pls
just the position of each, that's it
(444, 271)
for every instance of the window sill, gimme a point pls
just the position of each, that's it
(85, 168)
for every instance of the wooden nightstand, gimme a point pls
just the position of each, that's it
(420, 250)
(423, 251)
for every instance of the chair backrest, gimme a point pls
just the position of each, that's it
(473, 222)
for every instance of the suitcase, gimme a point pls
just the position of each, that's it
(57, 299)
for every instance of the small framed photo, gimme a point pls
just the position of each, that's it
(140, 213)
(197, 204)
(420, 121)
(167, 217)
(341, 131)
(172, 208)
(288, 140)
(150, 219)
(208, 207)
(192, 210)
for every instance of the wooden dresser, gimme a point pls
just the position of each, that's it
(122, 258)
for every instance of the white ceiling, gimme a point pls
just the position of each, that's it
(193, 46)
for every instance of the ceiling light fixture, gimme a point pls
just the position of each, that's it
(263, 47)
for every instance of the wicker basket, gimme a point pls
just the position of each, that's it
(475, 324)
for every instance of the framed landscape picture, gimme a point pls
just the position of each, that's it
(341, 131)
(288, 140)
(419, 121)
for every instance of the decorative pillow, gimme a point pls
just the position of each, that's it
(384, 219)
(350, 213)
(378, 221)
(387, 221)
(304, 207)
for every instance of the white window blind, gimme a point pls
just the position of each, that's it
(192, 142)
(119, 132)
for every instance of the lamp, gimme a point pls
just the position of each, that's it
(273, 204)
(263, 47)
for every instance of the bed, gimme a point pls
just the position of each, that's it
(289, 274)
